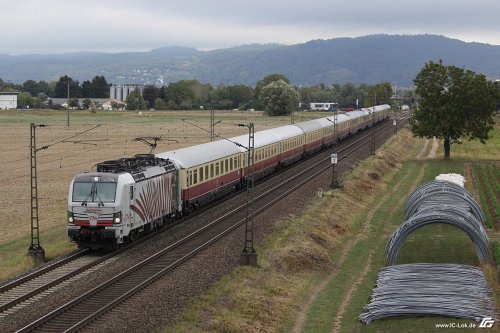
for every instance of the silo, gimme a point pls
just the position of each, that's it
(119, 93)
(125, 93)
(112, 92)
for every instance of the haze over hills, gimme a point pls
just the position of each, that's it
(369, 59)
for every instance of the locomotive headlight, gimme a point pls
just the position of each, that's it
(117, 217)
(70, 217)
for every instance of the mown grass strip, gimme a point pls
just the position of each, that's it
(14, 258)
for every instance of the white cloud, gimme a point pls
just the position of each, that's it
(53, 26)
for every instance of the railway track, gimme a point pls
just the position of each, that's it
(94, 303)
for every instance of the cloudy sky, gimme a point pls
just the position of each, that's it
(58, 26)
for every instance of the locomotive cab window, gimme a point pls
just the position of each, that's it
(94, 192)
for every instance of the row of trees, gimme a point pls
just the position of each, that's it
(98, 87)
(191, 94)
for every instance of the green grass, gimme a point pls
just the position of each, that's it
(475, 150)
(14, 254)
(147, 117)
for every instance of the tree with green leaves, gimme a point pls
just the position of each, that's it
(135, 101)
(24, 100)
(262, 83)
(279, 98)
(379, 94)
(61, 88)
(455, 104)
(100, 87)
(150, 94)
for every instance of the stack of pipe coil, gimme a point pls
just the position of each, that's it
(439, 192)
(444, 214)
(441, 202)
(430, 289)
(435, 289)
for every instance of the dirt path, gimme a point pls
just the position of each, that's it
(423, 150)
(348, 297)
(434, 148)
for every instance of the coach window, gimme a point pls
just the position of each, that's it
(195, 176)
(216, 168)
(190, 178)
(231, 164)
(201, 174)
(226, 162)
(211, 170)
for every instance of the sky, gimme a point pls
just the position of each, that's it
(61, 26)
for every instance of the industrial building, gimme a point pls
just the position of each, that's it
(121, 92)
(8, 99)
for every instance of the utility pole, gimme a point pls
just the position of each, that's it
(373, 127)
(67, 112)
(335, 127)
(35, 251)
(292, 117)
(248, 255)
(335, 181)
(212, 124)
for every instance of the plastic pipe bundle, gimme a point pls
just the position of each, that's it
(445, 214)
(438, 192)
(453, 290)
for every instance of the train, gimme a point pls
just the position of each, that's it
(127, 197)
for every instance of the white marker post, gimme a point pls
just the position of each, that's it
(333, 161)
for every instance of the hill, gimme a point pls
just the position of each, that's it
(369, 59)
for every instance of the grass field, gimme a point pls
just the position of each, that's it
(59, 163)
(336, 248)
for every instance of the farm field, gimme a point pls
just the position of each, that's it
(61, 161)
(317, 272)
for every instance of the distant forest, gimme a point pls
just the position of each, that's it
(370, 60)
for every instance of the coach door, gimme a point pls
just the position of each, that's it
(130, 202)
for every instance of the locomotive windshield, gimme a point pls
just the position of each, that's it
(94, 192)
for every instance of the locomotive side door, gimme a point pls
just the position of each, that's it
(131, 201)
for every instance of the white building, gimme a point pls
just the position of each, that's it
(323, 106)
(8, 100)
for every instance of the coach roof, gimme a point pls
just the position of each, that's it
(261, 139)
(287, 131)
(200, 154)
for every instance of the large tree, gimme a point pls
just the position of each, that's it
(61, 89)
(261, 84)
(279, 98)
(135, 101)
(379, 94)
(150, 94)
(100, 87)
(455, 104)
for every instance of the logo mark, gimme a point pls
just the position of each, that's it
(487, 322)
